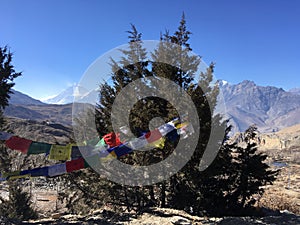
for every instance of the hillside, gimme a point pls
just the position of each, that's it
(48, 113)
(39, 131)
(18, 98)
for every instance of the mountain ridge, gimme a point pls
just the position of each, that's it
(270, 108)
(18, 98)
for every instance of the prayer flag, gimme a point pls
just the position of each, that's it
(159, 143)
(60, 152)
(173, 136)
(57, 169)
(112, 139)
(75, 152)
(101, 143)
(17, 143)
(76, 164)
(138, 143)
(38, 148)
(5, 136)
(121, 150)
(36, 172)
(9, 174)
(19, 177)
(153, 136)
(166, 128)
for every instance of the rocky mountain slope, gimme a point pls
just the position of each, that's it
(270, 108)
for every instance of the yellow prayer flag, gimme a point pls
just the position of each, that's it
(160, 143)
(60, 152)
(19, 177)
(9, 174)
(180, 125)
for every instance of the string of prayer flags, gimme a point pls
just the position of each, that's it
(108, 148)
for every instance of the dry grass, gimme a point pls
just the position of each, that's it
(284, 194)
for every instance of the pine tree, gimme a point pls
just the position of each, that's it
(233, 182)
(7, 75)
(18, 206)
(251, 171)
(224, 185)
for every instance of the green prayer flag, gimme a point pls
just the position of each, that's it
(38, 148)
(101, 143)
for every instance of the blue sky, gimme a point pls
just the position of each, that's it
(55, 41)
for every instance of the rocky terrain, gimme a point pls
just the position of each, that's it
(270, 108)
(39, 131)
(60, 114)
(160, 216)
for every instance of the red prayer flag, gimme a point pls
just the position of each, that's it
(153, 136)
(76, 164)
(17, 143)
(112, 139)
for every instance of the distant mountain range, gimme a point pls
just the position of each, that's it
(75, 92)
(270, 108)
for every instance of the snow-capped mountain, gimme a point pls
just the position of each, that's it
(74, 93)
